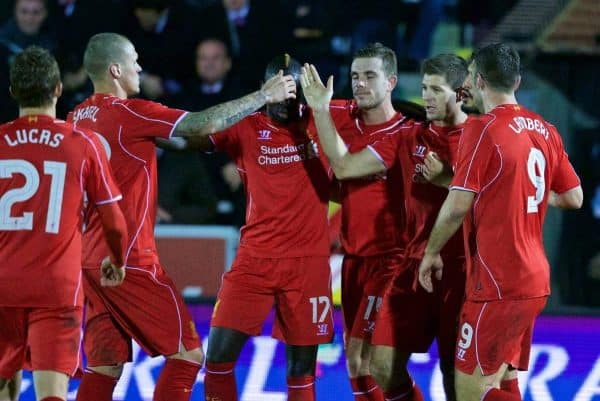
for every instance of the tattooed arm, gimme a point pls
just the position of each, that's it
(219, 117)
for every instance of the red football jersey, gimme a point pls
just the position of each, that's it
(511, 158)
(287, 183)
(46, 166)
(127, 129)
(422, 199)
(372, 207)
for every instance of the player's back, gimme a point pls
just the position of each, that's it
(44, 167)
(509, 209)
(127, 128)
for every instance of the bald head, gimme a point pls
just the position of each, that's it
(103, 50)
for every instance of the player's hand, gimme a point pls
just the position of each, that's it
(279, 88)
(317, 95)
(112, 275)
(433, 166)
(430, 265)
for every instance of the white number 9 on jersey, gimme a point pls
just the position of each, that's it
(536, 165)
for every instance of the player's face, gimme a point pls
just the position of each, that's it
(472, 100)
(370, 86)
(438, 96)
(284, 112)
(130, 71)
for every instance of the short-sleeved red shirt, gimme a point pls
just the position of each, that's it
(127, 129)
(46, 166)
(287, 183)
(372, 207)
(423, 200)
(510, 158)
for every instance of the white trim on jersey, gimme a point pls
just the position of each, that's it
(176, 123)
(145, 167)
(477, 147)
(102, 173)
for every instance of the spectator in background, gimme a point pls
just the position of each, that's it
(220, 197)
(212, 83)
(253, 32)
(26, 27)
(164, 33)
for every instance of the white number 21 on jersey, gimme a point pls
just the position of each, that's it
(56, 170)
(536, 165)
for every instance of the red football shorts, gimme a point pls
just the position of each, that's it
(496, 332)
(364, 281)
(41, 338)
(146, 307)
(410, 317)
(300, 289)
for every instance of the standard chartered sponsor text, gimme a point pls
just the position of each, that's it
(273, 155)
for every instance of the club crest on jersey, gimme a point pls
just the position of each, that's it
(420, 151)
(264, 134)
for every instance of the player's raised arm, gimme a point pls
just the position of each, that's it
(344, 164)
(221, 116)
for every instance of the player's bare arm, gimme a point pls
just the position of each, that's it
(219, 117)
(437, 171)
(115, 231)
(453, 211)
(572, 199)
(344, 164)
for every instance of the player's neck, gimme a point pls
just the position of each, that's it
(109, 88)
(493, 99)
(49, 111)
(378, 115)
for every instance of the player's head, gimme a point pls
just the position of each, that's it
(442, 75)
(35, 78)
(374, 74)
(289, 109)
(111, 58)
(495, 68)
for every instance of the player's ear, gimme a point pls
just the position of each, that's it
(11, 92)
(392, 81)
(58, 90)
(517, 83)
(115, 70)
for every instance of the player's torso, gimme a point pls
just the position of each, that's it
(372, 207)
(423, 200)
(287, 184)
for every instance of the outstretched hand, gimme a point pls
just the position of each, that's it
(430, 265)
(317, 95)
(279, 88)
(112, 275)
